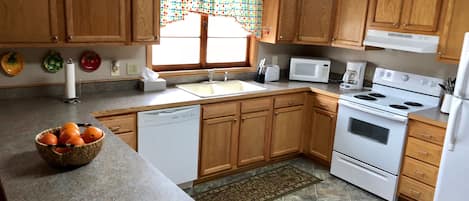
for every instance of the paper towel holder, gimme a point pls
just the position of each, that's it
(68, 73)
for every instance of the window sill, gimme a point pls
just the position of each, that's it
(165, 74)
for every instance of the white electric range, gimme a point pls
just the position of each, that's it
(371, 129)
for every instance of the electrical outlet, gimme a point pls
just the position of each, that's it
(115, 68)
(132, 69)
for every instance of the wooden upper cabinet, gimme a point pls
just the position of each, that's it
(452, 37)
(145, 20)
(350, 23)
(315, 21)
(28, 21)
(385, 13)
(421, 15)
(279, 21)
(96, 20)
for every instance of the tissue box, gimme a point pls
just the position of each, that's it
(158, 85)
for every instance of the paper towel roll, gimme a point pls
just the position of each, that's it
(70, 91)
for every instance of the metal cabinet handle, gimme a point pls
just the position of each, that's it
(415, 194)
(420, 174)
(396, 24)
(426, 136)
(405, 25)
(55, 38)
(281, 37)
(69, 38)
(115, 128)
(423, 153)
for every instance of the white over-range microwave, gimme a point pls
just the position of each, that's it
(310, 69)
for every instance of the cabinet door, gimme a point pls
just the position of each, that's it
(129, 138)
(385, 13)
(96, 20)
(350, 23)
(287, 20)
(146, 20)
(322, 134)
(253, 135)
(270, 16)
(28, 21)
(287, 131)
(315, 21)
(421, 15)
(456, 24)
(219, 143)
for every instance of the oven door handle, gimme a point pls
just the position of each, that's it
(373, 111)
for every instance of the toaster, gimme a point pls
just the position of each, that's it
(272, 73)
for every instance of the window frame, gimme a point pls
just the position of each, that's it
(203, 64)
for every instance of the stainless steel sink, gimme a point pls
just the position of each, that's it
(207, 89)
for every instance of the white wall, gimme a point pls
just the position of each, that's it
(33, 72)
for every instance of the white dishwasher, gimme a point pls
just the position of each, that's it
(169, 139)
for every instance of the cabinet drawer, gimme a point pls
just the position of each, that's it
(289, 100)
(325, 102)
(120, 123)
(256, 105)
(220, 110)
(420, 171)
(129, 138)
(426, 132)
(415, 190)
(423, 151)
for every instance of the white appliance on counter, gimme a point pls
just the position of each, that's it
(371, 129)
(310, 69)
(402, 41)
(169, 139)
(354, 75)
(453, 173)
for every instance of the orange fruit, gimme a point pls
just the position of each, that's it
(70, 125)
(49, 139)
(67, 134)
(75, 140)
(92, 134)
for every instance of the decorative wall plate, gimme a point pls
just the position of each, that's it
(90, 61)
(12, 63)
(53, 62)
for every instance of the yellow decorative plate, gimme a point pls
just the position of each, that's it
(12, 63)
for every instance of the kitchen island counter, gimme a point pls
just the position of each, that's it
(118, 172)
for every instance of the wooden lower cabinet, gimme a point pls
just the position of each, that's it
(287, 131)
(419, 170)
(253, 137)
(218, 145)
(123, 126)
(322, 134)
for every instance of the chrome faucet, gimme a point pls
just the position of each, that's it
(211, 72)
(226, 76)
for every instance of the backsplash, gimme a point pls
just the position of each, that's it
(33, 73)
(424, 64)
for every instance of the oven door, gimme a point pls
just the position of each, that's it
(369, 135)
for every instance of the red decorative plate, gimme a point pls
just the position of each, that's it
(90, 61)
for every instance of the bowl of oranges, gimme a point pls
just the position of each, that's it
(70, 145)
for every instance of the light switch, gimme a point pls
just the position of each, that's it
(115, 68)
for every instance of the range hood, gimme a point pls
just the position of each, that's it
(402, 41)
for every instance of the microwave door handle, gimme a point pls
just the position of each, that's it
(373, 111)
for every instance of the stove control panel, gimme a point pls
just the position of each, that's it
(408, 81)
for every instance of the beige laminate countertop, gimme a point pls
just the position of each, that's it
(431, 116)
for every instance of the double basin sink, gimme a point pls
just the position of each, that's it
(222, 88)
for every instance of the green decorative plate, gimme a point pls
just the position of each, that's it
(53, 62)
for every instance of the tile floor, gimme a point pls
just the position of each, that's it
(330, 189)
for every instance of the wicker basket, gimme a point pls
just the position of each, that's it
(75, 156)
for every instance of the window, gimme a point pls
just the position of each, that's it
(201, 41)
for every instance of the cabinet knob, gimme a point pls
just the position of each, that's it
(333, 39)
(155, 37)
(405, 25)
(439, 53)
(55, 38)
(281, 37)
(69, 38)
(415, 194)
(396, 24)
